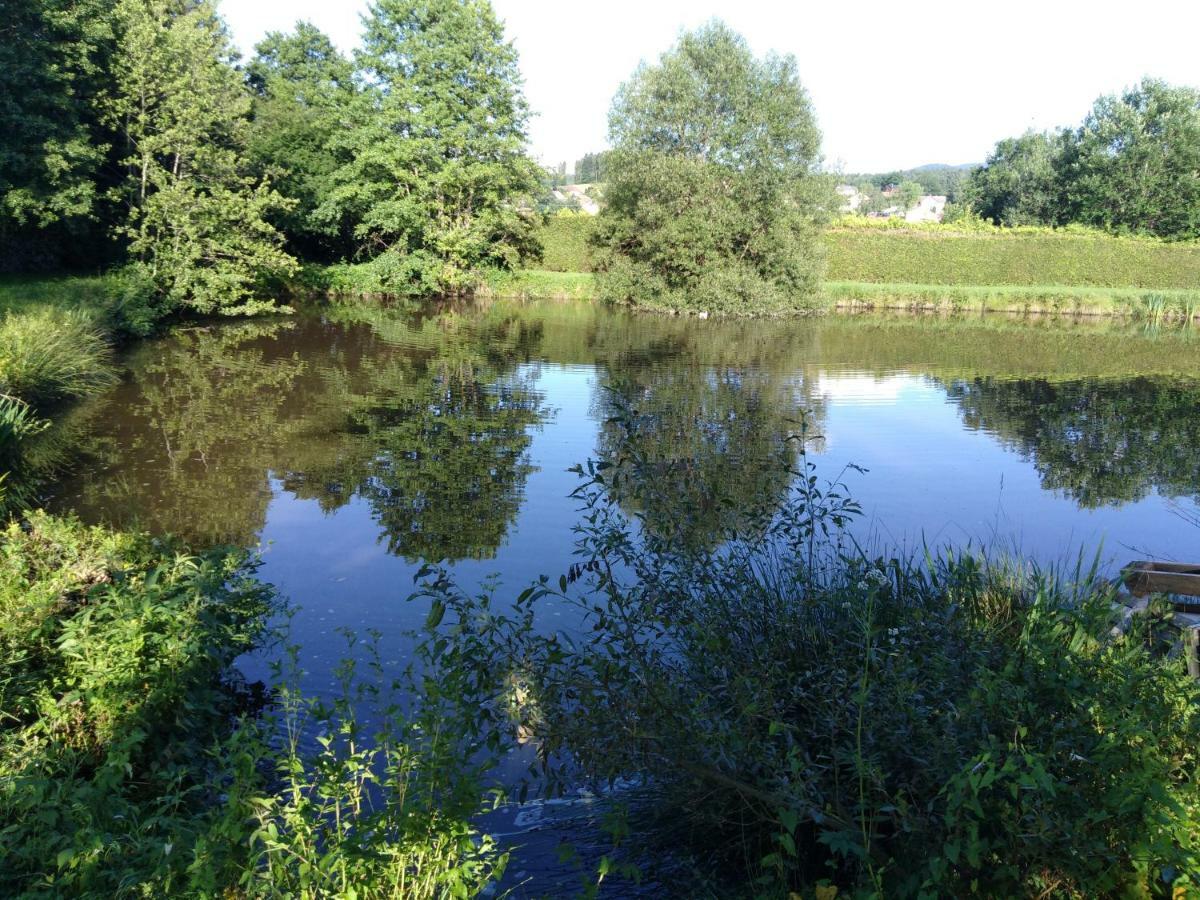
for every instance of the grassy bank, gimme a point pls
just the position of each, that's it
(1054, 299)
(1131, 303)
(895, 265)
(55, 348)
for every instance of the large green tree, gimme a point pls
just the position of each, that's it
(714, 196)
(436, 160)
(303, 94)
(196, 220)
(1136, 163)
(1022, 181)
(54, 60)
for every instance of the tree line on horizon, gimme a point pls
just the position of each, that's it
(1131, 167)
(133, 139)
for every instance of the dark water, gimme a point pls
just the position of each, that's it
(354, 443)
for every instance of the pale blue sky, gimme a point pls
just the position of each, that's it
(894, 84)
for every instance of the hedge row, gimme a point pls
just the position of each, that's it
(950, 256)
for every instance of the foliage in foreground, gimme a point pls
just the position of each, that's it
(714, 197)
(810, 714)
(132, 761)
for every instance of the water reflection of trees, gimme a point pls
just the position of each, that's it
(426, 416)
(719, 438)
(430, 428)
(439, 452)
(1102, 442)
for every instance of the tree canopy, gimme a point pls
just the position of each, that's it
(714, 196)
(208, 177)
(1132, 166)
(303, 91)
(436, 153)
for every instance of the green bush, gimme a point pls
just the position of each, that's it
(133, 761)
(565, 242)
(114, 650)
(956, 727)
(48, 356)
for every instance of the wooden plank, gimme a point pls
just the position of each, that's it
(1163, 578)
(1191, 651)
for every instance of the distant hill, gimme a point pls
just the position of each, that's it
(938, 167)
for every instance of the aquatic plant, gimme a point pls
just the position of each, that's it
(957, 724)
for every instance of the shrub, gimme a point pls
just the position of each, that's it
(713, 184)
(958, 726)
(115, 652)
(47, 356)
(133, 761)
(565, 242)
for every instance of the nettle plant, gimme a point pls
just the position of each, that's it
(806, 713)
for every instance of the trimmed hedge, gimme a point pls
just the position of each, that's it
(565, 243)
(949, 255)
(1016, 258)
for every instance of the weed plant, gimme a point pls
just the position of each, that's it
(134, 761)
(957, 725)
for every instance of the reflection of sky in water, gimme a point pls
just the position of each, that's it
(935, 474)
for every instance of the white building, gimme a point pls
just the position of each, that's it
(852, 198)
(930, 208)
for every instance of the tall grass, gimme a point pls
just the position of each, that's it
(48, 356)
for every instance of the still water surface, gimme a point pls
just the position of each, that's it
(355, 443)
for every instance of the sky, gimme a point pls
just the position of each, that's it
(894, 85)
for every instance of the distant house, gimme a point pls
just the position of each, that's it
(852, 198)
(578, 192)
(930, 208)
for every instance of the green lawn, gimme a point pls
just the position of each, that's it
(24, 293)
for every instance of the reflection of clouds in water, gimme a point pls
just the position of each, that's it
(362, 556)
(862, 388)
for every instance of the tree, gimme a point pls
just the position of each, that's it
(437, 159)
(714, 197)
(590, 168)
(196, 220)
(908, 195)
(303, 93)
(1021, 183)
(54, 58)
(1136, 162)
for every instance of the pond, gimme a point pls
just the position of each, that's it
(353, 443)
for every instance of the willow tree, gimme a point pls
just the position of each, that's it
(436, 162)
(196, 219)
(714, 196)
